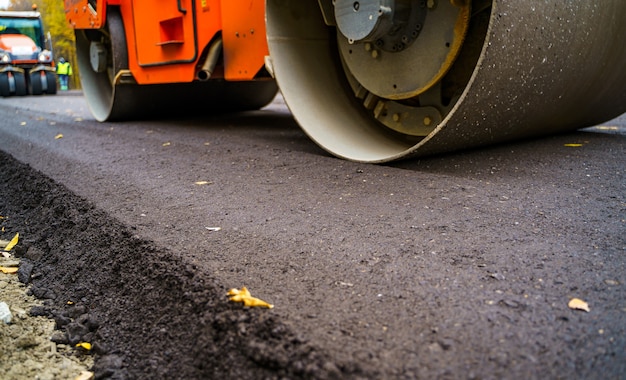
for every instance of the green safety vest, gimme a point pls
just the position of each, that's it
(64, 69)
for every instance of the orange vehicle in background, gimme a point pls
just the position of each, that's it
(367, 80)
(139, 58)
(26, 62)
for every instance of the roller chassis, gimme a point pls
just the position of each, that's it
(21, 81)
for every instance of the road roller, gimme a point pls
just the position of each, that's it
(26, 60)
(369, 80)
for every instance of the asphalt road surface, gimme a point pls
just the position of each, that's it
(455, 266)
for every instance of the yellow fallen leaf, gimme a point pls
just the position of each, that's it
(167, 143)
(578, 304)
(573, 145)
(23, 123)
(85, 345)
(59, 136)
(11, 270)
(85, 375)
(243, 295)
(200, 183)
(255, 302)
(13, 242)
(607, 128)
(244, 292)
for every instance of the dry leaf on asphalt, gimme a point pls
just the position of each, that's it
(85, 375)
(6, 270)
(85, 345)
(607, 128)
(578, 304)
(13, 242)
(243, 295)
(59, 136)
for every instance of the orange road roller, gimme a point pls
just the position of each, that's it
(368, 80)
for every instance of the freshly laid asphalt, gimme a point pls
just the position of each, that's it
(455, 266)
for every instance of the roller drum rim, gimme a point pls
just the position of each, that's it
(104, 98)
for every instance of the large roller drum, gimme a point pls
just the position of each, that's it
(379, 80)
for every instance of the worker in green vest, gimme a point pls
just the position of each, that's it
(64, 70)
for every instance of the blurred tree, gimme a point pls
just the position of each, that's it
(63, 42)
(20, 5)
(62, 35)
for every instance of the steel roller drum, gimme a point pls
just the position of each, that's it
(524, 68)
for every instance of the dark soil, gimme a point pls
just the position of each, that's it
(144, 311)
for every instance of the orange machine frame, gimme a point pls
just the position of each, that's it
(166, 40)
